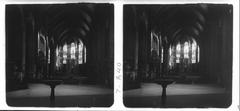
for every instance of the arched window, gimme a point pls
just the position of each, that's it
(65, 53)
(85, 54)
(73, 47)
(184, 53)
(189, 49)
(186, 50)
(42, 49)
(57, 59)
(41, 43)
(170, 55)
(49, 56)
(74, 53)
(80, 53)
(194, 47)
(154, 43)
(178, 52)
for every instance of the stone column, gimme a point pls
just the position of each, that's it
(136, 45)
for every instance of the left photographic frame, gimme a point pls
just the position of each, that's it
(59, 55)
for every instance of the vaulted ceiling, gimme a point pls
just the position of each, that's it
(66, 22)
(176, 21)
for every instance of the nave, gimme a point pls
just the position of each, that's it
(59, 55)
(178, 55)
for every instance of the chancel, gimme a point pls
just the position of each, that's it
(178, 56)
(59, 55)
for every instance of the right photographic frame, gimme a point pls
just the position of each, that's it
(177, 55)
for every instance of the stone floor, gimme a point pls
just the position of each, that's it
(65, 96)
(178, 96)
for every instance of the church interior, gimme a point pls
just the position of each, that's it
(59, 55)
(177, 56)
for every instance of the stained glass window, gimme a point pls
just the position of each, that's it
(58, 58)
(171, 57)
(154, 43)
(190, 52)
(73, 50)
(186, 50)
(48, 56)
(80, 53)
(178, 53)
(74, 53)
(194, 47)
(85, 54)
(65, 54)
